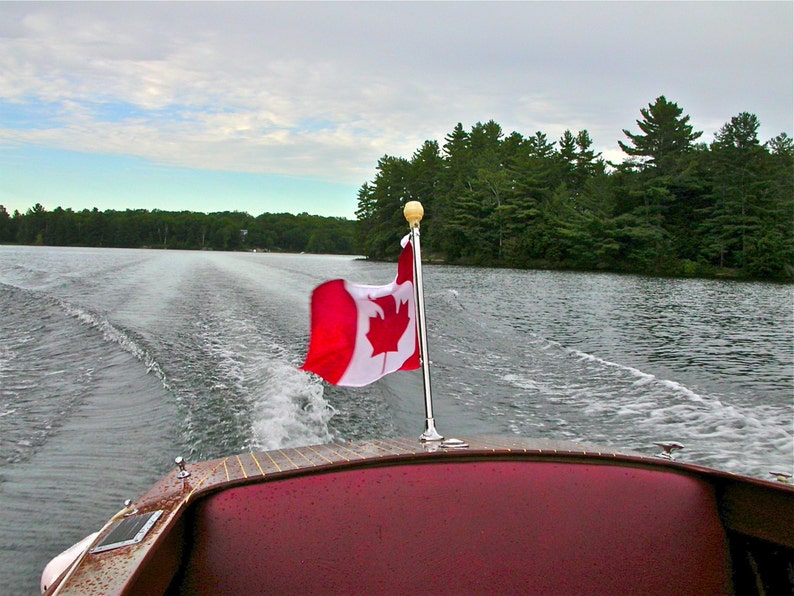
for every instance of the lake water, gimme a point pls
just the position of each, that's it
(113, 362)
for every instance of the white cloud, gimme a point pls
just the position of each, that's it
(325, 89)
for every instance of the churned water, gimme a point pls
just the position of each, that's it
(112, 362)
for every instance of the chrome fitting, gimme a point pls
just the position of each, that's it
(180, 463)
(668, 448)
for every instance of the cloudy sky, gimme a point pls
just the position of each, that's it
(286, 107)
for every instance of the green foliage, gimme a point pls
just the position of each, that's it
(674, 208)
(139, 228)
(490, 198)
(7, 226)
(667, 134)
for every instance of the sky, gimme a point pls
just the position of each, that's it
(287, 107)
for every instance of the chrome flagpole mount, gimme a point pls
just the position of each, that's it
(413, 213)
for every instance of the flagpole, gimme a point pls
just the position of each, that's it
(413, 214)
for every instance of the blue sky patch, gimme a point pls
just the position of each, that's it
(31, 115)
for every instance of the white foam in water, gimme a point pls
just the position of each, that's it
(222, 332)
(278, 405)
(115, 335)
(630, 408)
(527, 383)
(291, 410)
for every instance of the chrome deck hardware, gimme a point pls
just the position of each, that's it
(129, 505)
(668, 448)
(180, 462)
(783, 477)
(454, 444)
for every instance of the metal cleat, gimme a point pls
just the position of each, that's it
(668, 448)
(783, 477)
(454, 444)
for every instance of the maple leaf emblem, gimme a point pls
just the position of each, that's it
(385, 331)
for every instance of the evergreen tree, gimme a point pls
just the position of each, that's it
(540, 147)
(385, 201)
(366, 213)
(781, 145)
(533, 172)
(666, 134)
(5, 225)
(738, 190)
(455, 181)
(588, 163)
(740, 133)
(566, 153)
(492, 199)
(473, 217)
(422, 184)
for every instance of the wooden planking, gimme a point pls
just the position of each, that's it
(242, 467)
(741, 505)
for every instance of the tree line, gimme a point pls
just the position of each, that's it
(674, 206)
(139, 228)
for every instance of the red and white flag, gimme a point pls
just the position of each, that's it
(361, 333)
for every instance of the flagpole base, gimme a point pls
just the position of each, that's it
(430, 434)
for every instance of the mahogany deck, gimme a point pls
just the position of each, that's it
(160, 562)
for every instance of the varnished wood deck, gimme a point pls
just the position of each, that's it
(162, 550)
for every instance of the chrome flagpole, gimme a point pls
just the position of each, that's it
(413, 212)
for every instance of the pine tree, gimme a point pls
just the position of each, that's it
(667, 134)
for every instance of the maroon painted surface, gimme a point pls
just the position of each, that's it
(453, 527)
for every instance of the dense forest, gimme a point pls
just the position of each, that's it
(179, 230)
(674, 206)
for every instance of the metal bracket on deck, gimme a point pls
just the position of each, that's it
(669, 447)
(783, 477)
(180, 463)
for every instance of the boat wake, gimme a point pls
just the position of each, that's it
(116, 335)
(234, 392)
(290, 410)
(506, 378)
(616, 404)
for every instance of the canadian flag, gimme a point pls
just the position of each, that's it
(361, 333)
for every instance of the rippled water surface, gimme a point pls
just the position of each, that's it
(114, 361)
